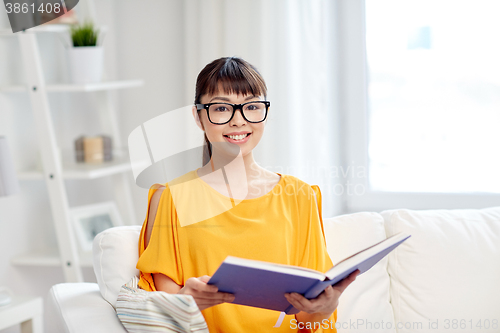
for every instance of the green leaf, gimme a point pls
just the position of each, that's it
(84, 34)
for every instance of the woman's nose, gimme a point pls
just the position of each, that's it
(238, 117)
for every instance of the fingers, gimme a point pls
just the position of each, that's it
(298, 301)
(324, 303)
(342, 285)
(327, 301)
(200, 284)
(329, 291)
(204, 294)
(205, 301)
(218, 296)
(216, 299)
(204, 278)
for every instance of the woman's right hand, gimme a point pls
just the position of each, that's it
(205, 295)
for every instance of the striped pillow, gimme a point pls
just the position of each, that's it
(157, 311)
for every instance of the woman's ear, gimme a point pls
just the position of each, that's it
(197, 118)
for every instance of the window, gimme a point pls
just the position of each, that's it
(433, 95)
(421, 92)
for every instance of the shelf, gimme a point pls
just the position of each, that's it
(47, 258)
(109, 85)
(40, 28)
(73, 170)
(12, 89)
(46, 27)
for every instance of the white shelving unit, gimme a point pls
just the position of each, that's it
(47, 258)
(27, 311)
(41, 28)
(111, 85)
(54, 172)
(73, 170)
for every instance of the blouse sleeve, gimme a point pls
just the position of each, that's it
(315, 253)
(162, 254)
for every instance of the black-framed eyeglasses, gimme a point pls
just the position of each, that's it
(222, 113)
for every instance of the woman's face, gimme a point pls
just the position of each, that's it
(236, 126)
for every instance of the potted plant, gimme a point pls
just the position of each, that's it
(86, 56)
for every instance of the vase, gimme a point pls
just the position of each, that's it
(85, 64)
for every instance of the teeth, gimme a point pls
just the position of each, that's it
(237, 137)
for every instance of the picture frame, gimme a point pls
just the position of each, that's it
(90, 220)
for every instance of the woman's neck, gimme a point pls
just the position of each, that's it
(241, 175)
(240, 168)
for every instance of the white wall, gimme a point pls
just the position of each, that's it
(150, 44)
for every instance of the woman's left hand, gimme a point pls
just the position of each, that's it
(326, 302)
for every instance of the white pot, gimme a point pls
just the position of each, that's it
(86, 63)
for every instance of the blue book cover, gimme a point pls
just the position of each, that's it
(263, 284)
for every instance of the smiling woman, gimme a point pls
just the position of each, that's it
(233, 206)
(216, 82)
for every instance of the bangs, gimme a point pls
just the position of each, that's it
(230, 75)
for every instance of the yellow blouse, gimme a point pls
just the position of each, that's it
(283, 226)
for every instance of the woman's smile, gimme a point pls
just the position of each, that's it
(240, 137)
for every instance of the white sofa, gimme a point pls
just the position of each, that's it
(445, 278)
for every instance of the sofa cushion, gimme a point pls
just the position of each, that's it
(115, 255)
(79, 308)
(364, 306)
(445, 278)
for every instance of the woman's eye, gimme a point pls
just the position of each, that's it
(221, 109)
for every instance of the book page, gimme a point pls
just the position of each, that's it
(287, 269)
(361, 251)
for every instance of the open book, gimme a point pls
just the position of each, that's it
(263, 284)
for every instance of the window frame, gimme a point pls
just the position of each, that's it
(353, 99)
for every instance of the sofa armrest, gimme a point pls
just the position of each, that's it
(79, 307)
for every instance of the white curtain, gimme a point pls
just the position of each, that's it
(291, 42)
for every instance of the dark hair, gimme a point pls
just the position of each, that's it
(232, 75)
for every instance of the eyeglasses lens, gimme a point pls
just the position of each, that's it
(221, 113)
